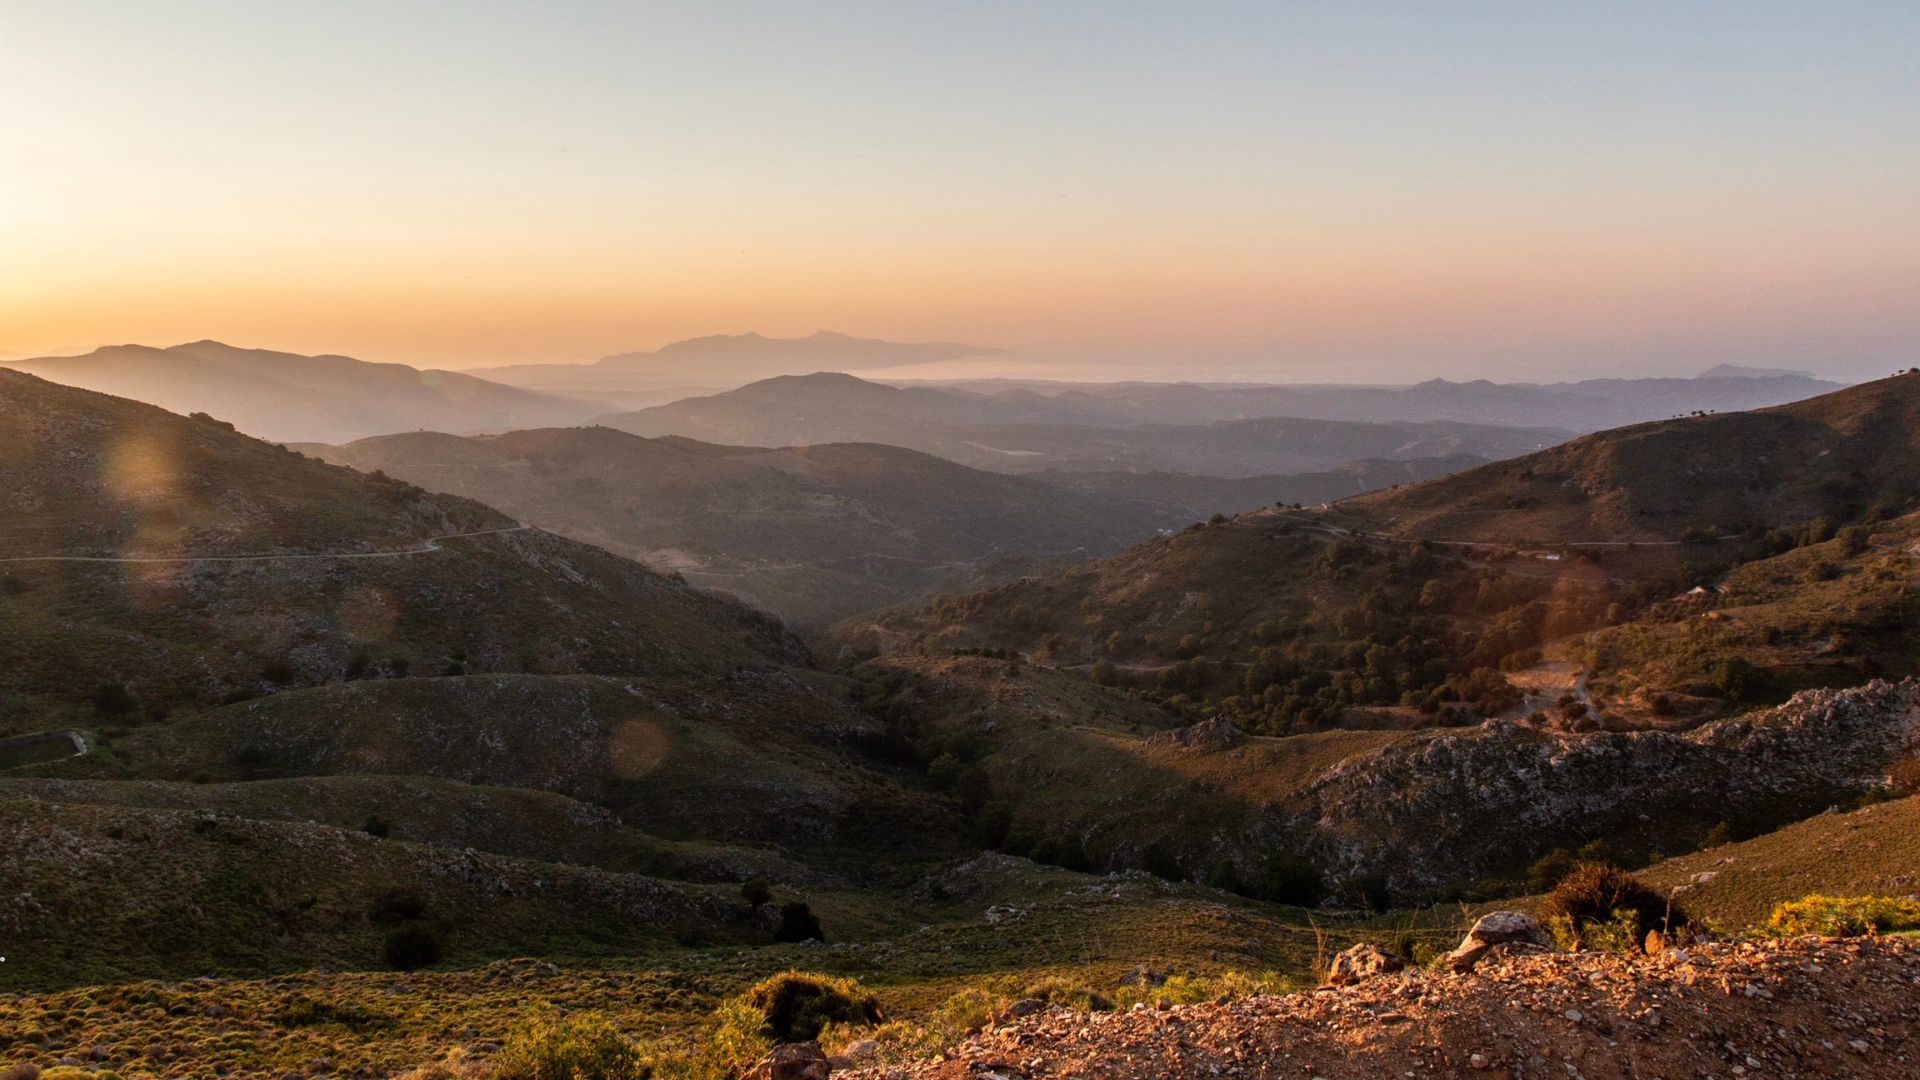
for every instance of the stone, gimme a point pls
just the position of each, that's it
(1025, 1007)
(1496, 928)
(794, 1061)
(1361, 962)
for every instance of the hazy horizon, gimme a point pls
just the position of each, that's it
(1316, 193)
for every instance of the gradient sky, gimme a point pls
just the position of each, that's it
(1353, 191)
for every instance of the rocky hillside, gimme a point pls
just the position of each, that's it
(1803, 1007)
(154, 562)
(1088, 777)
(1449, 805)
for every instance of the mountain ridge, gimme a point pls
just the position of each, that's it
(293, 397)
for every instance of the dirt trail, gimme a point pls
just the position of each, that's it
(432, 544)
(1806, 1007)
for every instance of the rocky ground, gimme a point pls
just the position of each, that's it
(1797, 1008)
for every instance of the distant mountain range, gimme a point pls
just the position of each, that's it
(290, 397)
(1020, 431)
(1590, 405)
(720, 361)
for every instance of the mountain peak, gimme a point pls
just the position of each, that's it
(1738, 371)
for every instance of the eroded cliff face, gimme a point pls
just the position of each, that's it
(1454, 805)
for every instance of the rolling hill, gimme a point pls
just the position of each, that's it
(1412, 602)
(1839, 455)
(186, 564)
(1023, 432)
(288, 397)
(203, 611)
(812, 533)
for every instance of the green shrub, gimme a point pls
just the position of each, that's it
(795, 1005)
(1597, 895)
(1834, 916)
(411, 947)
(1194, 989)
(576, 1048)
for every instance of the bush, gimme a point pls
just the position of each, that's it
(1833, 916)
(576, 1048)
(798, 923)
(756, 891)
(794, 1005)
(411, 947)
(1598, 894)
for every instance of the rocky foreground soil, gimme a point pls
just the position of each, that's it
(1798, 1008)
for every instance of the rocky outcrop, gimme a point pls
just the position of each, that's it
(1451, 805)
(794, 1061)
(1496, 930)
(1362, 962)
(1214, 734)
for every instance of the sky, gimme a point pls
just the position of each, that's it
(1351, 191)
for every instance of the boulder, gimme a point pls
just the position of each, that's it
(1361, 962)
(794, 1061)
(1214, 734)
(1498, 928)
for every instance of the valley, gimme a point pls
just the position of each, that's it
(1051, 735)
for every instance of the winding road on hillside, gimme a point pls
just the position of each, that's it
(431, 545)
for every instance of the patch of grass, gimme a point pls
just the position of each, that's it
(1835, 916)
(574, 1048)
